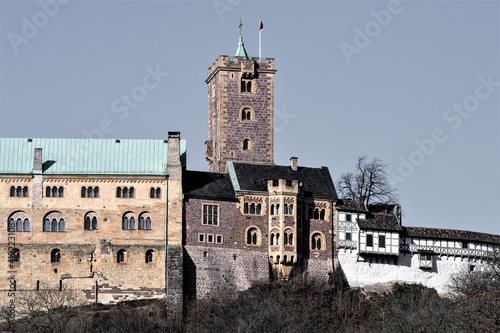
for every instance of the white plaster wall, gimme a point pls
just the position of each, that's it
(362, 274)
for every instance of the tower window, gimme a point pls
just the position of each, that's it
(247, 144)
(55, 256)
(246, 114)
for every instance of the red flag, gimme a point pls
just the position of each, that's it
(261, 27)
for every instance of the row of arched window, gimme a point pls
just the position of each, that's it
(253, 237)
(90, 192)
(129, 221)
(20, 192)
(54, 222)
(55, 256)
(316, 213)
(287, 209)
(54, 192)
(252, 208)
(125, 192)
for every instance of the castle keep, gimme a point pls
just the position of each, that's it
(125, 219)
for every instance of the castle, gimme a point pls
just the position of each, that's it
(124, 219)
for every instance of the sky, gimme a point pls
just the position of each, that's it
(413, 83)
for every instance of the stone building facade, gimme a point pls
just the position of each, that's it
(124, 219)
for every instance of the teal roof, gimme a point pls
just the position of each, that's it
(86, 156)
(240, 51)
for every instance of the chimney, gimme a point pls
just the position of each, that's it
(293, 163)
(37, 161)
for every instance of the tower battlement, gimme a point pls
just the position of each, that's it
(236, 63)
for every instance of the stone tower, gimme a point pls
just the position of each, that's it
(240, 110)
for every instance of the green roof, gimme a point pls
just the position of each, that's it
(86, 156)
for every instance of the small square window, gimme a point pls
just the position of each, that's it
(218, 239)
(348, 236)
(348, 217)
(201, 238)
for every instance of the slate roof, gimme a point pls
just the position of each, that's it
(316, 182)
(86, 156)
(380, 222)
(198, 184)
(350, 205)
(451, 234)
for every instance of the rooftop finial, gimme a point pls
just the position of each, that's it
(240, 51)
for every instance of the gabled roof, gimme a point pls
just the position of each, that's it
(316, 182)
(451, 234)
(86, 156)
(217, 186)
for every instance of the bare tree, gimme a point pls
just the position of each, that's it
(368, 182)
(47, 310)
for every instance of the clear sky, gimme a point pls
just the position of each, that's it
(414, 83)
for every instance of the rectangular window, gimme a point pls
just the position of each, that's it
(348, 236)
(369, 240)
(348, 217)
(211, 214)
(210, 238)
(381, 241)
(218, 239)
(201, 238)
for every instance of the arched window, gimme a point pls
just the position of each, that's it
(62, 225)
(285, 209)
(246, 114)
(316, 213)
(11, 227)
(272, 210)
(84, 192)
(12, 191)
(252, 236)
(25, 191)
(61, 192)
(158, 193)
(148, 223)
(26, 225)
(118, 192)
(53, 222)
(290, 209)
(55, 256)
(249, 86)
(144, 221)
(53, 225)
(317, 241)
(132, 192)
(149, 256)
(125, 192)
(277, 209)
(252, 208)
(15, 256)
(247, 145)
(245, 208)
(243, 86)
(96, 192)
(259, 209)
(288, 237)
(90, 192)
(322, 214)
(46, 224)
(121, 256)
(277, 239)
(19, 225)
(132, 222)
(48, 192)
(141, 222)
(152, 193)
(90, 221)
(19, 191)
(125, 222)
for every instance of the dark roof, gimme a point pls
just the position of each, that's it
(380, 222)
(316, 182)
(451, 234)
(350, 205)
(198, 184)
